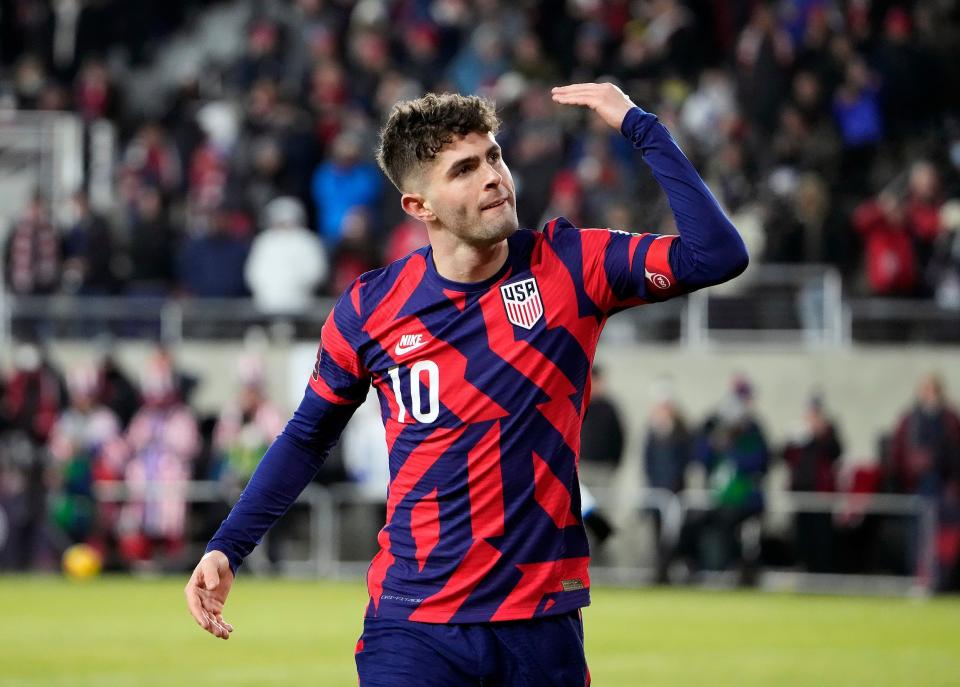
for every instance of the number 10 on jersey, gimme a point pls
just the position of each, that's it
(416, 402)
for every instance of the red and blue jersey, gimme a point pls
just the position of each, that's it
(482, 390)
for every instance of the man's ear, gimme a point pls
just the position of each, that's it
(417, 206)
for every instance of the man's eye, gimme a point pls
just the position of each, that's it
(494, 157)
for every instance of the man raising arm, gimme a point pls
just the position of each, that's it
(480, 347)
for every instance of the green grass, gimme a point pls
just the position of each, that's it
(119, 631)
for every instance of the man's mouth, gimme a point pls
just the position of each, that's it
(495, 204)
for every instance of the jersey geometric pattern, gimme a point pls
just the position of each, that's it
(483, 415)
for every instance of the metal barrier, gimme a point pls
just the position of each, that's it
(673, 509)
(324, 545)
(794, 305)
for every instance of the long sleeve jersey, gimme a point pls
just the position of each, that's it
(482, 390)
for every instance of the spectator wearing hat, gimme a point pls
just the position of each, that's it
(287, 261)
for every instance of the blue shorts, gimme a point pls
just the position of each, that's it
(543, 652)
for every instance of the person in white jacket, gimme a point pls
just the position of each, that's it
(287, 261)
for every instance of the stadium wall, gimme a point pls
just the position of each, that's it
(865, 388)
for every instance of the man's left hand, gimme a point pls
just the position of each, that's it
(606, 99)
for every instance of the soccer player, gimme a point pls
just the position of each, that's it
(480, 347)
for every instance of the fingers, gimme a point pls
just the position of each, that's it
(217, 626)
(194, 603)
(205, 600)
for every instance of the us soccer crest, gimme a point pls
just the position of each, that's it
(522, 302)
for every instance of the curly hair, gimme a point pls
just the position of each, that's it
(417, 130)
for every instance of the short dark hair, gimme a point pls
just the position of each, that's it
(417, 130)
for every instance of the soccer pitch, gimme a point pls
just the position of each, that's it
(118, 631)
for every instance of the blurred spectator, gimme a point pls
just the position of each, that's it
(247, 426)
(856, 107)
(209, 167)
(709, 113)
(733, 449)
(668, 448)
(764, 55)
(164, 441)
(263, 59)
(601, 436)
(342, 184)
(812, 455)
(926, 461)
(908, 75)
(356, 252)
(922, 210)
(93, 94)
(151, 245)
(480, 62)
(152, 160)
(287, 261)
(210, 265)
(405, 238)
(945, 263)
(32, 254)
(891, 262)
(365, 456)
(34, 394)
(667, 452)
(114, 389)
(85, 444)
(87, 251)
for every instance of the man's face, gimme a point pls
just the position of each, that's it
(469, 189)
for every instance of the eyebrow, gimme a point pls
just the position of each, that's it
(463, 162)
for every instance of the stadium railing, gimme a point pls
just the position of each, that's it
(779, 305)
(323, 545)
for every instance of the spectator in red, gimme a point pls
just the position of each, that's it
(405, 238)
(890, 259)
(93, 94)
(923, 209)
(152, 159)
(34, 394)
(355, 254)
(32, 256)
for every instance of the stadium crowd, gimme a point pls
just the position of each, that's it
(65, 440)
(828, 130)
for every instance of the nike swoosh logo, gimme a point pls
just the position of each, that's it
(403, 350)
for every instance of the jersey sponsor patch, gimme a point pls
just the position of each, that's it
(522, 302)
(572, 585)
(661, 281)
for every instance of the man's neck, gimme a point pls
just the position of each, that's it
(468, 264)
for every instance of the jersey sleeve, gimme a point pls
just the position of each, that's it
(339, 376)
(617, 269)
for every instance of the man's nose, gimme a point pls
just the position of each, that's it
(494, 178)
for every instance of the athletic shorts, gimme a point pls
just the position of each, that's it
(543, 652)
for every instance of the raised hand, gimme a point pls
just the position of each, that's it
(207, 592)
(606, 99)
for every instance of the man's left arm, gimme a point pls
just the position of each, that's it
(708, 250)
